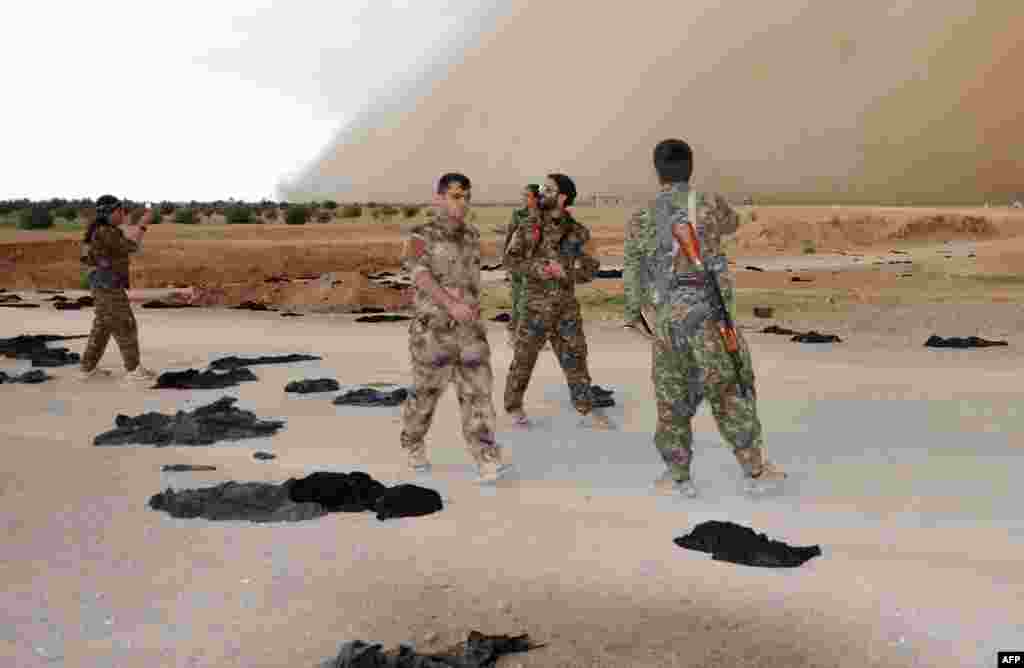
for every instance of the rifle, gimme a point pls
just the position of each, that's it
(691, 246)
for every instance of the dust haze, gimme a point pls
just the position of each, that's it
(790, 101)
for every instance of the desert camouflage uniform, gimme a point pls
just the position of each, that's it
(690, 362)
(110, 254)
(516, 279)
(551, 311)
(442, 349)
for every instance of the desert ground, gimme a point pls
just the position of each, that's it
(902, 460)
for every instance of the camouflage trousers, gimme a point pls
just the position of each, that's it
(113, 316)
(442, 352)
(518, 290)
(561, 323)
(703, 369)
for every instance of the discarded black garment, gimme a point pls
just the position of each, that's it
(187, 467)
(253, 501)
(56, 298)
(727, 541)
(48, 291)
(193, 379)
(75, 305)
(253, 306)
(491, 267)
(816, 337)
(367, 396)
(312, 385)
(478, 651)
(33, 347)
(407, 501)
(502, 317)
(290, 314)
(10, 298)
(354, 492)
(958, 342)
(775, 329)
(218, 421)
(19, 305)
(29, 377)
(753, 268)
(263, 455)
(608, 273)
(233, 362)
(158, 303)
(382, 318)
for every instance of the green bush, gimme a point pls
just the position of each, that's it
(351, 211)
(410, 211)
(68, 213)
(36, 218)
(297, 215)
(185, 216)
(238, 215)
(158, 217)
(330, 204)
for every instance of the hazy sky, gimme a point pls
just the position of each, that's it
(194, 100)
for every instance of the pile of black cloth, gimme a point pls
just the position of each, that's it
(295, 500)
(4, 299)
(158, 303)
(291, 314)
(384, 317)
(193, 379)
(958, 342)
(232, 362)
(478, 651)
(368, 396)
(29, 377)
(218, 421)
(17, 305)
(737, 544)
(802, 337)
(312, 385)
(253, 306)
(34, 347)
(63, 304)
(491, 267)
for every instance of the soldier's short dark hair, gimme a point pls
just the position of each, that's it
(452, 177)
(565, 187)
(673, 160)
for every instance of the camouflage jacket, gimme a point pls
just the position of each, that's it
(518, 216)
(110, 254)
(643, 249)
(451, 256)
(541, 238)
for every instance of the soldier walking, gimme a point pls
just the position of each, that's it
(547, 249)
(447, 339)
(109, 242)
(531, 199)
(668, 301)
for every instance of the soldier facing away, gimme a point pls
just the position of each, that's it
(531, 200)
(109, 242)
(666, 291)
(548, 250)
(447, 339)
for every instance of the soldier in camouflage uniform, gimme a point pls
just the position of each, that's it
(667, 301)
(531, 199)
(548, 250)
(107, 247)
(447, 339)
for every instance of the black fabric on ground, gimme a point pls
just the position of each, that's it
(193, 379)
(29, 377)
(159, 303)
(753, 268)
(33, 347)
(56, 298)
(75, 305)
(491, 267)
(382, 318)
(370, 309)
(816, 337)
(727, 541)
(608, 273)
(9, 298)
(407, 501)
(312, 385)
(218, 421)
(367, 396)
(253, 306)
(775, 329)
(19, 305)
(502, 317)
(478, 651)
(354, 492)
(253, 501)
(187, 467)
(47, 291)
(263, 455)
(290, 314)
(958, 342)
(233, 362)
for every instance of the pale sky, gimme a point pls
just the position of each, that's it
(194, 100)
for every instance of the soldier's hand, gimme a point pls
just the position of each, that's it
(462, 312)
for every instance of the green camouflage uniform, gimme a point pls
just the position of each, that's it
(442, 349)
(516, 279)
(689, 362)
(110, 255)
(551, 310)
